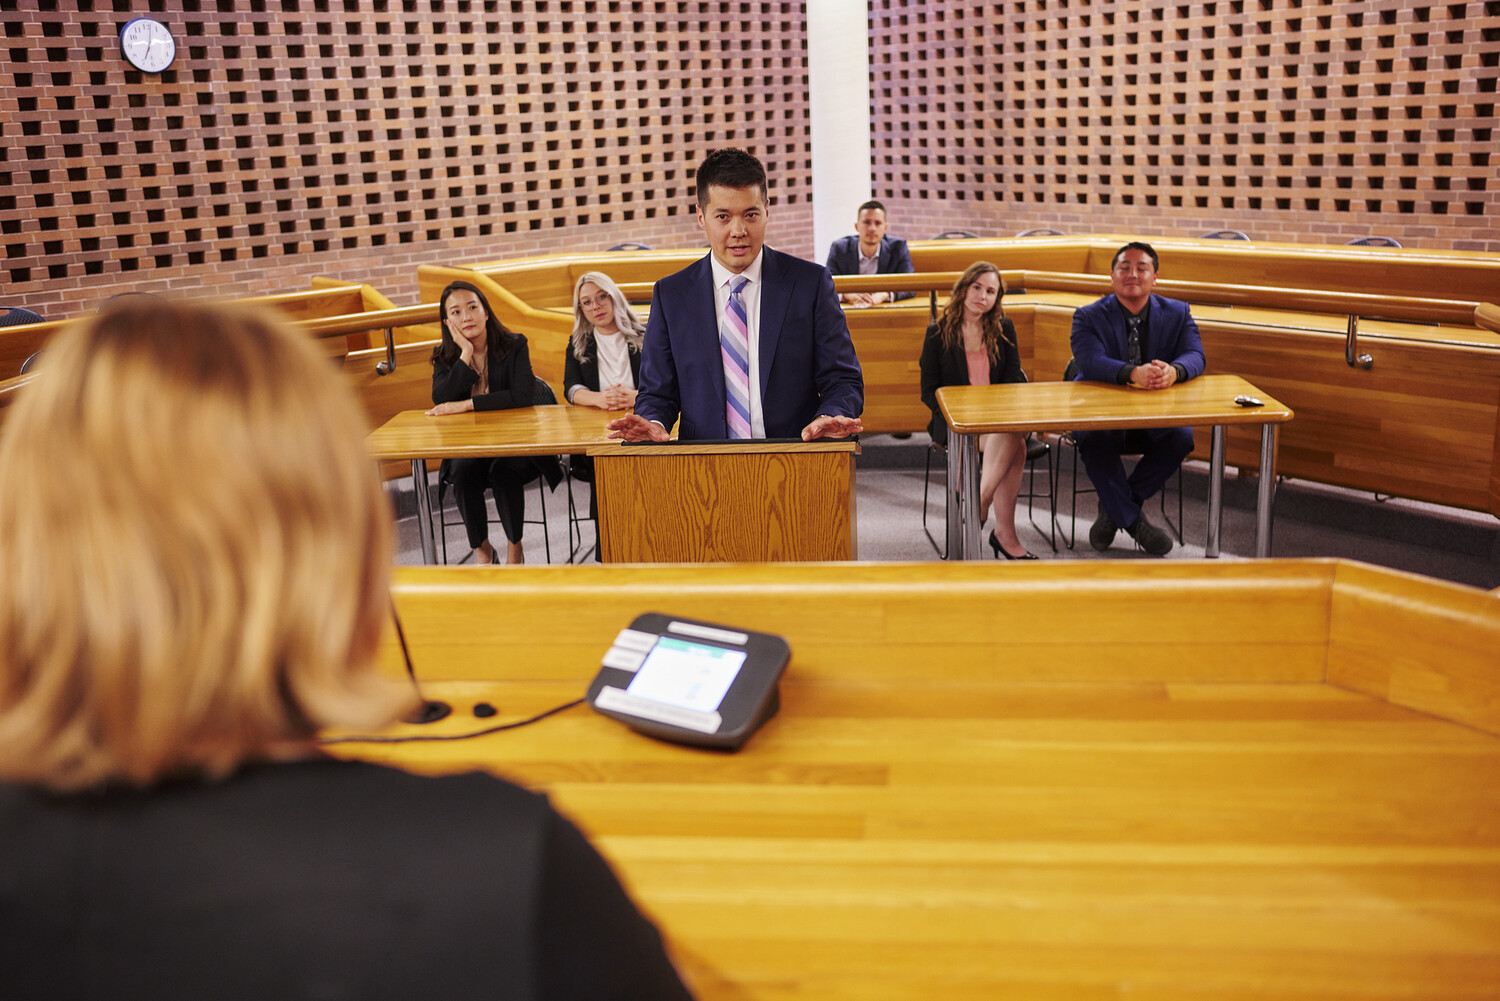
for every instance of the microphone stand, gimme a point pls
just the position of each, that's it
(431, 710)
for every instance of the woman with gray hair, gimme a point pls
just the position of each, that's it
(604, 354)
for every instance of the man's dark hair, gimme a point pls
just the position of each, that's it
(1144, 248)
(730, 168)
(871, 204)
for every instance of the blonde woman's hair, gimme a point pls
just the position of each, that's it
(631, 327)
(194, 551)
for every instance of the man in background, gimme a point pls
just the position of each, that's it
(871, 252)
(1134, 338)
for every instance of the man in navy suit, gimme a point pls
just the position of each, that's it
(747, 342)
(1137, 339)
(870, 253)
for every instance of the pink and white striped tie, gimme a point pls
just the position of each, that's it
(734, 344)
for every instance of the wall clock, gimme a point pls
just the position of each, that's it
(147, 44)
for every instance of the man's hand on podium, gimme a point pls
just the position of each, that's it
(634, 427)
(829, 426)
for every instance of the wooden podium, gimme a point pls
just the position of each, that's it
(725, 503)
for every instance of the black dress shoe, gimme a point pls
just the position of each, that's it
(1002, 551)
(1103, 531)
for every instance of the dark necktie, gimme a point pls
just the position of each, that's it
(1133, 326)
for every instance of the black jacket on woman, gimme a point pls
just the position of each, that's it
(951, 368)
(512, 385)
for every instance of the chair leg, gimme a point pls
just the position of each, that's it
(436, 511)
(575, 528)
(541, 499)
(942, 553)
(1177, 528)
(1051, 499)
(1072, 536)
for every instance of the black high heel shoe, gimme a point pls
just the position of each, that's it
(1000, 550)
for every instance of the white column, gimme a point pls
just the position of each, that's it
(838, 60)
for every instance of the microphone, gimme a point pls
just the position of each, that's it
(431, 710)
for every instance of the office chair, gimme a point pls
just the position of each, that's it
(1225, 234)
(1041, 232)
(956, 234)
(1374, 241)
(634, 245)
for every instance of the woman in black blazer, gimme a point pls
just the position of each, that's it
(603, 363)
(973, 343)
(482, 366)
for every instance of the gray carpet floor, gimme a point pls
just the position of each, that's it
(1310, 520)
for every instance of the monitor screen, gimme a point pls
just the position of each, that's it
(686, 674)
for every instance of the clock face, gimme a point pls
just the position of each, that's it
(147, 44)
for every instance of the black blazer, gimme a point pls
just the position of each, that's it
(512, 385)
(586, 373)
(950, 368)
(319, 878)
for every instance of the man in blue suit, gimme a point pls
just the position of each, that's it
(1134, 338)
(747, 342)
(870, 253)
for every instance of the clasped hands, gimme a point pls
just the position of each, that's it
(865, 298)
(1155, 374)
(617, 397)
(633, 427)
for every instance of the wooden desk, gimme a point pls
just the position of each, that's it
(540, 430)
(1079, 406)
(967, 796)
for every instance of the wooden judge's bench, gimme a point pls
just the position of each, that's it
(1072, 780)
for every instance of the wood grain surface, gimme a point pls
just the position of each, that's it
(993, 782)
(726, 504)
(1077, 406)
(556, 429)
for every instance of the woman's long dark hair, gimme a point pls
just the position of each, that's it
(951, 323)
(498, 340)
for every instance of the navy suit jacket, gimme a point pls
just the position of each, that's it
(807, 363)
(1101, 344)
(893, 259)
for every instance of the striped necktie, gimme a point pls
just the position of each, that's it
(734, 344)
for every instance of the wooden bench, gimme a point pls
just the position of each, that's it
(980, 785)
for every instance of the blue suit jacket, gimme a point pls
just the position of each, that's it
(807, 362)
(1101, 345)
(893, 259)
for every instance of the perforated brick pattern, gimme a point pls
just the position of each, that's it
(1284, 119)
(359, 138)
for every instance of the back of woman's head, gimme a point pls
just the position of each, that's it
(194, 550)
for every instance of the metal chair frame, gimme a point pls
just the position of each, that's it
(1036, 449)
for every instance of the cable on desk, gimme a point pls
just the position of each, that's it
(430, 737)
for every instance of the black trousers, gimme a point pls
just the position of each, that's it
(506, 478)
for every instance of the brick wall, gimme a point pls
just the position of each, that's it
(360, 138)
(1302, 120)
